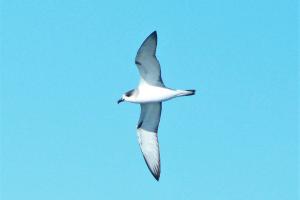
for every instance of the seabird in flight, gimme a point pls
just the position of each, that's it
(150, 94)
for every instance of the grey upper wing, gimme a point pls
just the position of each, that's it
(147, 136)
(147, 63)
(150, 116)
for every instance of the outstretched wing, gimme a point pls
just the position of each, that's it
(147, 136)
(147, 62)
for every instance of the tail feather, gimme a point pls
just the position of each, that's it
(186, 92)
(192, 92)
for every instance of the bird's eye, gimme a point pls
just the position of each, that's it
(129, 93)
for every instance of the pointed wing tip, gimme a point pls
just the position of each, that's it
(156, 177)
(156, 173)
(154, 33)
(148, 47)
(151, 37)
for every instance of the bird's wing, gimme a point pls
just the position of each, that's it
(147, 62)
(147, 136)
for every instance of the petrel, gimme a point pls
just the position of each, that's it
(150, 94)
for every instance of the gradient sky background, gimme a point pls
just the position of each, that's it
(64, 64)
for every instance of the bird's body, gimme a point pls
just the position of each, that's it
(146, 93)
(150, 94)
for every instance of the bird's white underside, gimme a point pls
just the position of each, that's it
(147, 93)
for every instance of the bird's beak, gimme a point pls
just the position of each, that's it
(120, 100)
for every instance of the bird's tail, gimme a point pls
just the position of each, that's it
(186, 92)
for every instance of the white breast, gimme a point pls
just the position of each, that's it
(149, 93)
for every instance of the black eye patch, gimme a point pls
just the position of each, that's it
(129, 93)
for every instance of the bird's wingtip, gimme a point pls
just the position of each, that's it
(155, 173)
(156, 177)
(153, 34)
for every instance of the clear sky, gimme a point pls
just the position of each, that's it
(65, 63)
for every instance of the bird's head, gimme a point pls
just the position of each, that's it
(126, 97)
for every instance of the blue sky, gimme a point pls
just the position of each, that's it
(65, 63)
